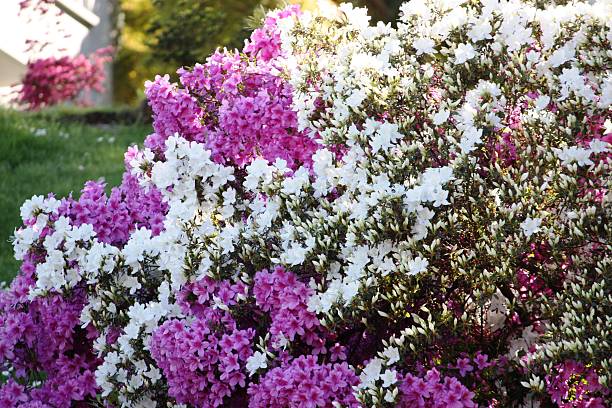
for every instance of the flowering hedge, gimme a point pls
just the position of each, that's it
(342, 215)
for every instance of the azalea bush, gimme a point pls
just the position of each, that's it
(53, 80)
(59, 78)
(341, 215)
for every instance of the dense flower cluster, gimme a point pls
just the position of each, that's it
(430, 391)
(52, 80)
(115, 217)
(286, 300)
(237, 104)
(202, 362)
(43, 339)
(305, 383)
(343, 214)
(574, 385)
(204, 359)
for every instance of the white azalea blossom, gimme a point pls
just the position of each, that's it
(464, 53)
(257, 361)
(531, 226)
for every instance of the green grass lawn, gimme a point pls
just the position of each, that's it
(41, 154)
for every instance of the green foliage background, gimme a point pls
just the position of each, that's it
(158, 36)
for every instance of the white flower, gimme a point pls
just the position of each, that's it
(293, 185)
(295, 255)
(533, 56)
(440, 117)
(392, 354)
(598, 146)
(389, 378)
(576, 154)
(256, 361)
(481, 31)
(356, 99)
(227, 236)
(542, 102)
(437, 175)
(134, 250)
(349, 290)
(371, 373)
(562, 55)
(257, 170)
(530, 226)
(357, 17)
(131, 283)
(607, 127)
(357, 263)
(518, 36)
(424, 46)
(162, 175)
(385, 135)
(572, 80)
(463, 53)
(417, 265)
(229, 197)
(389, 396)
(414, 7)
(471, 137)
(31, 206)
(485, 90)
(496, 47)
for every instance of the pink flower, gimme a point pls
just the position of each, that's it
(464, 366)
(304, 382)
(52, 80)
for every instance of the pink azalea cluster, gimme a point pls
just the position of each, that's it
(73, 381)
(265, 42)
(305, 383)
(573, 386)
(174, 111)
(198, 298)
(128, 207)
(235, 103)
(53, 80)
(285, 298)
(434, 391)
(202, 361)
(44, 336)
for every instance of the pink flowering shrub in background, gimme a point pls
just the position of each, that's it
(53, 80)
(341, 215)
(59, 78)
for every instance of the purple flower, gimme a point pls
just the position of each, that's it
(286, 299)
(464, 366)
(434, 391)
(305, 383)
